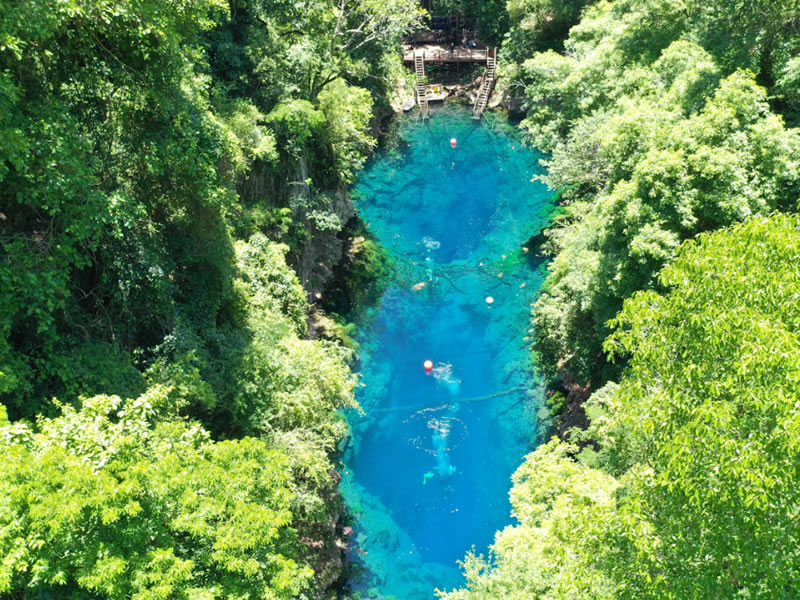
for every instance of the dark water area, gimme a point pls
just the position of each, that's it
(427, 471)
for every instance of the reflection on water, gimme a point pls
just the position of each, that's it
(428, 468)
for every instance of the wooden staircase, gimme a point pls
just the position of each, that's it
(486, 85)
(422, 86)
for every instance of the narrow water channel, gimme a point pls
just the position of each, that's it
(427, 471)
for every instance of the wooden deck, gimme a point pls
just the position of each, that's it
(440, 53)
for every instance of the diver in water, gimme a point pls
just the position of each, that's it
(444, 469)
(441, 440)
(442, 428)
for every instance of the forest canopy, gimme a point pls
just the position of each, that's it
(656, 135)
(168, 172)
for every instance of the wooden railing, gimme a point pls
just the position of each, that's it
(439, 53)
(422, 86)
(486, 85)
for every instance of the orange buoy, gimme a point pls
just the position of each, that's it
(428, 364)
(453, 142)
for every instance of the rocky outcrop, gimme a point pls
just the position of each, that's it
(314, 259)
(327, 543)
(321, 248)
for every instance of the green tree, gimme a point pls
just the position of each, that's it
(539, 25)
(119, 500)
(655, 175)
(278, 381)
(689, 488)
(711, 398)
(111, 144)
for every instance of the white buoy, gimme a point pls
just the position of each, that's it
(489, 300)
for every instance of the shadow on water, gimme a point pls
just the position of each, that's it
(427, 470)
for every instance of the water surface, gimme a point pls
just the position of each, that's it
(428, 469)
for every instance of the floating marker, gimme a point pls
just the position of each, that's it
(489, 300)
(428, 364)
(453, 142)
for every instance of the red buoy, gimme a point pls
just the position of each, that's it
(428, 364)
(453, 142)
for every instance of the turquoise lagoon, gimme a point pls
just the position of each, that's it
(427, 471)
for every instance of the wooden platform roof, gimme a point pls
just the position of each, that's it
(440, 53)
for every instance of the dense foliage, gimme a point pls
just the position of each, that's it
(160, 162)
(647, 177)
(122, 501)
(659, 130)
(690, 489)
(489, 18)
(127, 130)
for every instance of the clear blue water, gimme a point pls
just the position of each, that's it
(427, 471)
